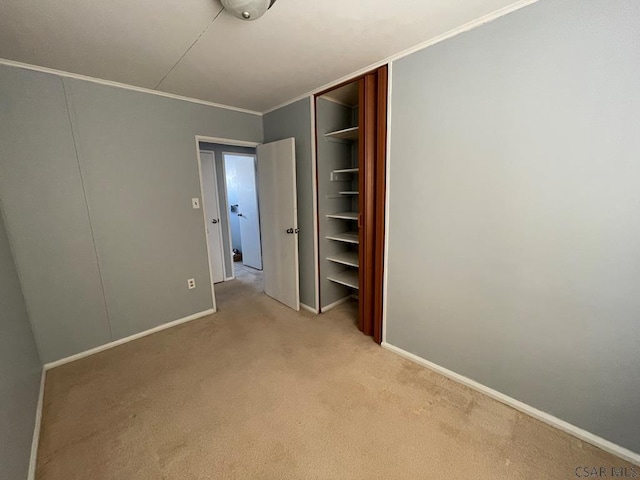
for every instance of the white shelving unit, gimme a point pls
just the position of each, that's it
(348, 258)
(344, 174)
(344, 215)
(344, 134)
(338, 196)
(348, 278)
(346, 237)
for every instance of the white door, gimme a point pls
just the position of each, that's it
(212, 215)
(279, 220)
(241, 173)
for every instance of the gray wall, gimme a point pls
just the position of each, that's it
(514, 231)
(294, 120)
(233, 218)
(20, 371)
(96, 186)
(46, 214)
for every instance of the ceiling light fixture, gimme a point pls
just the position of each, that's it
(247, 9)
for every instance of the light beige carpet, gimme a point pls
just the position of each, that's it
(260, 391)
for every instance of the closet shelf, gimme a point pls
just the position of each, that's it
(347, 237)
(345, 134)
(344, 215)
(348, 278)
(350, 259)
(343, 174)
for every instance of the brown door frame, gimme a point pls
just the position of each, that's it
(366, 202)
(380, 200)
(373, 151)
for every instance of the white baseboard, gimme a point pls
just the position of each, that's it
(566, 427)
(335, 304)
(308, 308)
(115, 343)
(36, 429)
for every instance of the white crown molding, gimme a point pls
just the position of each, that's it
(544, 417)
(421, 46)
(416, 48)
(124, 86)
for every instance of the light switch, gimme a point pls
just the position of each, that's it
(196, 203)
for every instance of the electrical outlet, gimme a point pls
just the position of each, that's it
(195, 202)
(191, 283)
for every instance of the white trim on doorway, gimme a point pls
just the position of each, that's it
(385, 261)
(226, 141)
(124, 86)
(314, 189)
(222, 141)
(225, 194)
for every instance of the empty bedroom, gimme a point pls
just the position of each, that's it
(319, 239)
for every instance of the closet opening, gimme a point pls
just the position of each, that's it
(351, 174)
(337, 144)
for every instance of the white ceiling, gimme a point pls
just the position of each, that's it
(173, 45)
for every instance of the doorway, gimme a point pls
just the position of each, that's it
(216, 206)
(264, 178)
(244, 211)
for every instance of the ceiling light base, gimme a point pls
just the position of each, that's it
(247, 9)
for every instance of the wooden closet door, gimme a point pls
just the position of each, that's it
(372, 186)
(380, 199)
(366, 161)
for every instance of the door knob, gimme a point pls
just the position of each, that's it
(215, 220)
(240, 215)
(290, 230)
